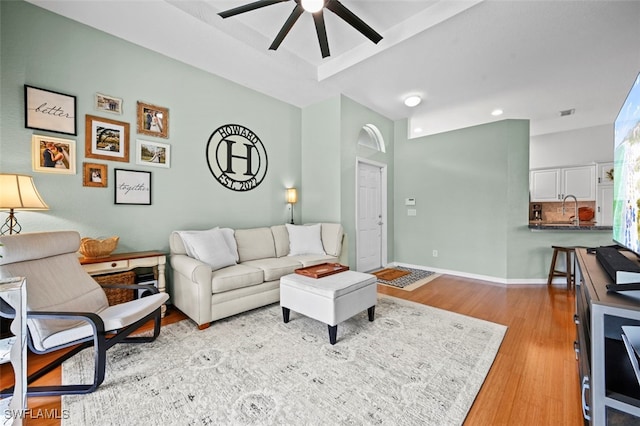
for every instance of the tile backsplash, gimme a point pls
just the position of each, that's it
(552, 212)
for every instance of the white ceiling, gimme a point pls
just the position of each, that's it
(530, 58)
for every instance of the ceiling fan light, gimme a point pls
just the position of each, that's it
(312, 6)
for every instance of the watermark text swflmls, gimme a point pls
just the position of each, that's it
(37, 414)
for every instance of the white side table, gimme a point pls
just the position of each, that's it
(14, 350)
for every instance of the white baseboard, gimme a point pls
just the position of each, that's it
(494, 280)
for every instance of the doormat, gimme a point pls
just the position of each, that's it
(405, 278)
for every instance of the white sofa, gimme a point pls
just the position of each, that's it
(206, 290)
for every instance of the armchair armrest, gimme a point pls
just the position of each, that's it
(94, 320)
(153, 289)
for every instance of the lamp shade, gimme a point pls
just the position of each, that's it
(18, 192)
(292, 195)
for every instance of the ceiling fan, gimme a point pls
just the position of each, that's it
(316, 8)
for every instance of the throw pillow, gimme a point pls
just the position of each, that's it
(231, 241)
(304, 239)
(209, 247)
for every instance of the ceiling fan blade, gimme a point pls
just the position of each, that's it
(248, 7)
(318, 18)
(339, 9)
(297, 11)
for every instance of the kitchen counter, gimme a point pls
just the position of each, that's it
(537, 225)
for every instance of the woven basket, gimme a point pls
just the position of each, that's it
(116, 296)
(91, 247)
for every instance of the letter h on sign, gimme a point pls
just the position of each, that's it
(231, 156)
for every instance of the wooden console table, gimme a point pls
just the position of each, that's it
(119, 262)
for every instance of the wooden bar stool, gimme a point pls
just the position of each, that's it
(553, 272)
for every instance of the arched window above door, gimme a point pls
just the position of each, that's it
(371, 137)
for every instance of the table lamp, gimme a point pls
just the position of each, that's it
(18, 192)
(292, 198)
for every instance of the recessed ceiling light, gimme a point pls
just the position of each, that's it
(412, 100)
(496, 112)
(417, 130)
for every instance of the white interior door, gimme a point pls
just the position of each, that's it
(371, 217)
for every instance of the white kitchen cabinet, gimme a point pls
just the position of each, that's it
(605, 173)
(604, 194)
(579, 181)
(545, 184)
(555, 184)
(604, 205)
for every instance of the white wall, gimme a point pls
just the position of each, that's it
(571, 148)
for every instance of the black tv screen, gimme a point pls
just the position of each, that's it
(626, 172)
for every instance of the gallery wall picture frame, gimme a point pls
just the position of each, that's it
(132, 187)
(53, 155)
(107, 103)
(106, 139)
(48, 110)
(94, 175)
(153, 154)
(153, 120)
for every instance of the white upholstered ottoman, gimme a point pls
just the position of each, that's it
(330, 299)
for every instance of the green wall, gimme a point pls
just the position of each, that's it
(329, 153)
(471, 185)
(45, 50)
(353, 117)
(471, 189)
(321, 159)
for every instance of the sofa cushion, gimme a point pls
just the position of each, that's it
(332, 235)
(274, 268)
(255, 243)
(176, 245)
(230, 239)
(210, 247)
(236, 276)
(305, 239)
(281, 239)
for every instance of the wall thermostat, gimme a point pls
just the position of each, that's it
(409, 201)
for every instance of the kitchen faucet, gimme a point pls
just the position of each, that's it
(575, 206)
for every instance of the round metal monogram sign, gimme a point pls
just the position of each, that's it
(236, 157)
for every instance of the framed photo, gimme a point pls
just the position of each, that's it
(132, 187)
(48, 110)
(106, 139)
(106, 103)
(53, 155)
(153, 120)
(94, 174)
(153, 154)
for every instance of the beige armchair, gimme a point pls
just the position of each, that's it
(66, 307)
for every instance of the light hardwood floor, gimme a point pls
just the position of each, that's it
(533, 381)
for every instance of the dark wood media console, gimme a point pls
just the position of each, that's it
(610, 390)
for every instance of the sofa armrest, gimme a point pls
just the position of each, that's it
(192, 290)
(197, 271)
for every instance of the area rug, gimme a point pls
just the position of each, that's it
(413, 365)
(405, 278)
